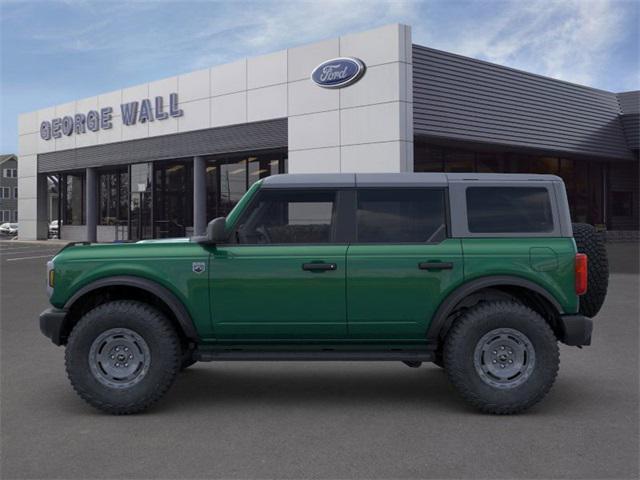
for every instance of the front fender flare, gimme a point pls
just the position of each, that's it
(439, 322)
(175, 305)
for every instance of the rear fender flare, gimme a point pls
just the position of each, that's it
(440, 322)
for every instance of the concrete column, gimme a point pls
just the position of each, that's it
(91, 207)
(199, 196)
(42, 214)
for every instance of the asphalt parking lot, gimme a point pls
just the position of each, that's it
(316, 420)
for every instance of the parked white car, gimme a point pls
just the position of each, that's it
(54, 229)
(9, 229)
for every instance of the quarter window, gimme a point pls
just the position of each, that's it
(401, 215)
(509, 210)
(290, 217)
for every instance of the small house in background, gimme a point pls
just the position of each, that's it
(9, 188)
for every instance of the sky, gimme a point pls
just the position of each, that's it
(55, 51)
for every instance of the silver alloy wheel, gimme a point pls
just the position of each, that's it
(119, 358)
(504, 358)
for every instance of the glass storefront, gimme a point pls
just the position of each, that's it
(155, 200)
(229, 178)
(583, 178)
(113, 197)
(72, 189)
(173, 199)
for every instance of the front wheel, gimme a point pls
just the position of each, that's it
(123, 356)
(502, 357)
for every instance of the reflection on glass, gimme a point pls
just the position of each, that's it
(229, 178)
(233, 183)
(141, 177)
(73, 210)
(113, 196)
(173, 215)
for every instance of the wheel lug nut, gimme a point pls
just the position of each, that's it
(495, 361)
(510, 361)
(495, 352)
(502, 365)
(117, 349)
(113, 357)
(117, 364)
(126, 364)
(126, 349)
(502, 347)
(130, 357)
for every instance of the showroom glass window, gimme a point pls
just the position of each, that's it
(401, 215)
(509, 210)
(228, 178)
(289, 217)
(173, 199)
(113, 195)
(73, 191)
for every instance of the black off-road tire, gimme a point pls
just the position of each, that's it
(462, 343)
(592, 244)
(161, 344)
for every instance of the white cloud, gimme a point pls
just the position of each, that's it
(274, 25)
(570, 40)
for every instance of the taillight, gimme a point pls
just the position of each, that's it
(581, 273)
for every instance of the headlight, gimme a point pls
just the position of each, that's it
(51, 277)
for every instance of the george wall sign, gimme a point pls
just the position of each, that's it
(94, 120)
(338, 72)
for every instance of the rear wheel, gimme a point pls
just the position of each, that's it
(122, 356)
(502, 357)
(589, 242)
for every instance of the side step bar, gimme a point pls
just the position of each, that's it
(315, 355)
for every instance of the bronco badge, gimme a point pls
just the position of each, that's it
(198, 267)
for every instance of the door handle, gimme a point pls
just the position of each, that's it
(319, 267)
(435, 265)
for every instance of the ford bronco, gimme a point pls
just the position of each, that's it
(481, 274)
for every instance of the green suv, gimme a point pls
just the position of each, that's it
(479, 273)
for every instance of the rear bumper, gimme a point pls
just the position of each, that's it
(575, 330)
(52, 325)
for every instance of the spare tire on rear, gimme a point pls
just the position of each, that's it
(592, 244)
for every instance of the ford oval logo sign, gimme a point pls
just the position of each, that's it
(338, 73)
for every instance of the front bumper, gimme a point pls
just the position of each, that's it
(575, 330)
(53, 323)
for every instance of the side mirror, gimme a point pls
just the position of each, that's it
(217, 230)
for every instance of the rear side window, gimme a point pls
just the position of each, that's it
(401, 215)
(509, 210)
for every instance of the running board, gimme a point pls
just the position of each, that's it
(316, 355)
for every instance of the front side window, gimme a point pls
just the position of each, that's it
(509, 210)
(401, 215)
(289, 217)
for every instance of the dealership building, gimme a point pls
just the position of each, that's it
(163, 158)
